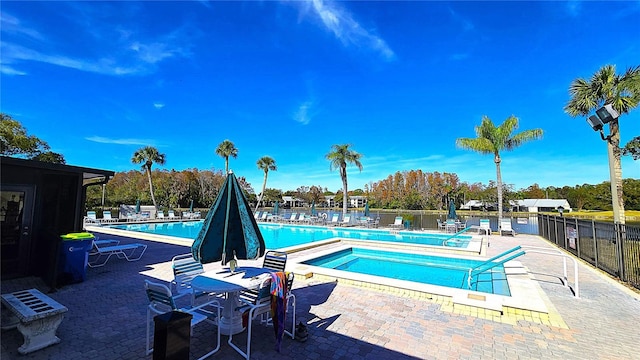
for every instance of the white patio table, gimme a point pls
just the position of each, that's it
(223, 281)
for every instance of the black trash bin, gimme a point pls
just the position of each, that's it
(172, 336)
(74, 255)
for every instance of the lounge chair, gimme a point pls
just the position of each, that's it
(292, 218)
(334, 219)
(102, 254)
(505, 226)
(173, 216)
(300, 219)
(106, 216)
(91, 218)
(485, 226)
(161, 301)
(257, 215)
(397, 223)
(160, 215)
(346, 220)
(441, 225)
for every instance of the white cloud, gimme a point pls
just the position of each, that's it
(104, 140)
(302, 115)
(347, 30)
(12, 25)
(158, 105)
(8, 70)
(129, 54)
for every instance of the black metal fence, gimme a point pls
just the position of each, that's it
(614, 248)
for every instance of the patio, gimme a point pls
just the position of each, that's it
(107, 317)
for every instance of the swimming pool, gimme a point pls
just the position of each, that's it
(278, 236)
(427, 269)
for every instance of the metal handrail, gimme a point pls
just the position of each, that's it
(491, 264)
(547, 251)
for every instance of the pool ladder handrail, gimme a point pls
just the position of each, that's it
(489, 264)
(444, 243)
(557, 252)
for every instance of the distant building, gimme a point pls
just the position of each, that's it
(526, 205)
(540, 205)
(292, 202)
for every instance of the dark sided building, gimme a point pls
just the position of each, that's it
(39, 202)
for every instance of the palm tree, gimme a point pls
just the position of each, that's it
(492, 140)
(226, 149)
(265, 164)
(147, 156)
(339, 156)
(623, 93)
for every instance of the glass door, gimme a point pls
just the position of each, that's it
(16, 213)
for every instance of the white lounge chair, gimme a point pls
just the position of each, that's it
(505, 226)
(292, 218)
(441, 225)
(91, 218)
(161, 301)
(397, 223)
(173, 216)
(485, 226)
(106, 216)
(160, 215)
(346, 220)
(300, 219)
(102, 254)
(334, 219)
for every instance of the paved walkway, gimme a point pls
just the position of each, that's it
(107, 317)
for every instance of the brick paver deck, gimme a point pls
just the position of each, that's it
(107, 318)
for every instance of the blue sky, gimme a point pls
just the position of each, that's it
(400, 81)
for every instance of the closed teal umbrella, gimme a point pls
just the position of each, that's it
(137, 206)
(229, 231)
(313, 208)
(452, 210)
(366, 209)
(191, 206)
(275, 208)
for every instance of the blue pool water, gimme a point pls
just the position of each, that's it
(277, 236)
(427, 269)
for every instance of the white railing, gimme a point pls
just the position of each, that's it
(547, 251)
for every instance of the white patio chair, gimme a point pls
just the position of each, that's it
(161, 300)
(505, 226)
(257, 304)
(397, 223)
(185, 268)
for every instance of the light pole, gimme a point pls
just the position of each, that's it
(605, 115)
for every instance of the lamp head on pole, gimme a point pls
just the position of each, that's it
(595, 123)
(607, 113)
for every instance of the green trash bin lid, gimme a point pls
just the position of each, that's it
(77, 236)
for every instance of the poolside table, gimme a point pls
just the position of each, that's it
(223, 281)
